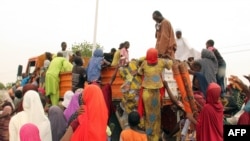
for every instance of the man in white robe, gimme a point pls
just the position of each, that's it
(184, 51)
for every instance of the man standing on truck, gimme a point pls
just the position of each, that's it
(57, 65)
(165, 39)
(66, 53)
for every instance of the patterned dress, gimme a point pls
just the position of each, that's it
(130, 87)
(152, 82)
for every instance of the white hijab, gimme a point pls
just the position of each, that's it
(184, 51)
(33, 112)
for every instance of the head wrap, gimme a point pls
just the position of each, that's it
(41, 91)
(72, 107)
(94, 107)
(213, 93)
(67, 98)
(98, 53)
(95, 66)
(29, 132)
(152, 56)
(57, 121)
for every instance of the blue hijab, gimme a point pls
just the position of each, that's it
(95, 66)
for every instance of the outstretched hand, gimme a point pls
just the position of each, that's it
(235, 79)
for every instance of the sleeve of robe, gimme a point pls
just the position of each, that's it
(167, 38)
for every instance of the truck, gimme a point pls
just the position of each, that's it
(169, 117)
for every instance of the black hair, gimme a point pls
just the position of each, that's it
(196, 64)
(121, 45)
(158, 13)
(18, 94)
(178, 32)
(126, 42)
(48, 55)
(133, 118)
(78, 61)
(210, 42)
(113, 50)
(63, 43)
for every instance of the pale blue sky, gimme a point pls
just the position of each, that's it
(29, 28)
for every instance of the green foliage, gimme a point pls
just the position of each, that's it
(85, 48)
(2, 86)
(9, 85)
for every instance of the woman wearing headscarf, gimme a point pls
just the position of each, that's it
(58, 122)
(95, 66)
(29, 132)
(66, 99)
(209, 65)
(70, 113)
(33, 112)
(72, 108)
(152, 83)
(210, 120)
(93, 121)
(245, 117)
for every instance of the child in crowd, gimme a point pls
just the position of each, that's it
(134, 132)
(124, 57)
(44, 69)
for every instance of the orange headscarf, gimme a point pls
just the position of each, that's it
(93, 122)
(152, 56)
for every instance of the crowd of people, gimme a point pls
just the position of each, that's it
(33, 111)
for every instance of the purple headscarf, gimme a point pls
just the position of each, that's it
(58, 122)
(72, 107)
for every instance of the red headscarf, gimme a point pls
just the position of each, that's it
(93, 122)
(245, 117)
(210, 121)
(152, 56)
